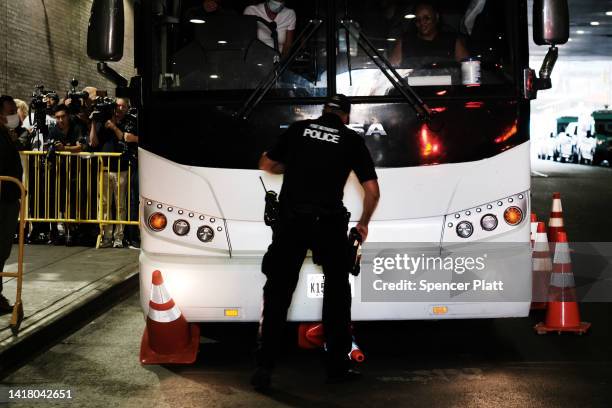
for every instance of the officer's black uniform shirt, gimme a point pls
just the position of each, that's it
(441, 48)
(318, 156)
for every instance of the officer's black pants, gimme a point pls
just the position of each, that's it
(293, 236)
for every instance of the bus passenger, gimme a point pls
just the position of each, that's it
(428, 41)
(316, 158)
(208, 8)
(284, 18)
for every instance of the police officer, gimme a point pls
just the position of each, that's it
(316, 158)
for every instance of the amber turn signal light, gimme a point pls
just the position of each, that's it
(157, 221)
(513, 216)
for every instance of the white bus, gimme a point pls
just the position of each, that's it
(450, 138)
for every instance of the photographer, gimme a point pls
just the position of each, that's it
(106, 136)
(50, 101)
(38, 121)
(128, 124)
(66, 136)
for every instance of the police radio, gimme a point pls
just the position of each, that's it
(354, 251)
(272, 206)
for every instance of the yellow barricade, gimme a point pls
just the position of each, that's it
(17, 316)
(82, 187)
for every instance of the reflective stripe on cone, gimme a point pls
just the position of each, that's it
(555, 221)
(541, 266)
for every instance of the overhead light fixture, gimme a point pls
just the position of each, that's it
(594, 23)
(197, 21)
(409, 16)
(608, 13)
(213, 76)
(580, 32)
(391, 39)
(221, 42)
(381, 49)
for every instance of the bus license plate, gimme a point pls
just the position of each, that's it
(316, 283)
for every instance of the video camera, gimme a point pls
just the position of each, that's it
(40, 97)
(76, 97)
(103, 109)
(131, 121)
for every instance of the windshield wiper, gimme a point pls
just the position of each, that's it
(421, 108)
(266, 84)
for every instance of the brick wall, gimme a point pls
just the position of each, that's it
(45, 42)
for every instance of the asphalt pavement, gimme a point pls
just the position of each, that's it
(462, 363)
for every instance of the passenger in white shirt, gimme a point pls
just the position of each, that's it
(273, 10)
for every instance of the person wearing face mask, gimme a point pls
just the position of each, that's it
(428, 41)
(10, 165)
(13, 122)
(284, 17)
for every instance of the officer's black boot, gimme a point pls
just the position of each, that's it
(261, 379)
(340, 369)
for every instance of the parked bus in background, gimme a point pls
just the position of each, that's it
(449, 137)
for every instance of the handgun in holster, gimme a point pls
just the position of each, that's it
(354, 251)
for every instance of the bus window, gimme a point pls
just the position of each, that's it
(194, 50)
(427, 44)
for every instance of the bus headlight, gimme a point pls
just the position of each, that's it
(157, 221)
(465, 229)
(205, 233)
(488, 222)
(181, 227)
(513, 216)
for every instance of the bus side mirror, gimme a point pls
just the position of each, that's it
(105, 31)
(550, 22)
(550, 27)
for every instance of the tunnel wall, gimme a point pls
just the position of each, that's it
(45, 42)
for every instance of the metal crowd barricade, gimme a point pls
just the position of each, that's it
(17, 316)
(72, 188)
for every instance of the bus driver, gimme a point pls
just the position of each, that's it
(429, 40)
(316, 158)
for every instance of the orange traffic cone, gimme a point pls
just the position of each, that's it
(541, 268)
(356, 354)
(534, 228)
(310, 335)
(562, 314)
(168, 338)
(555, 222)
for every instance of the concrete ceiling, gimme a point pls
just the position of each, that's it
(586, 41)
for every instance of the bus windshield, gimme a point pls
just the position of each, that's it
(456, 44)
